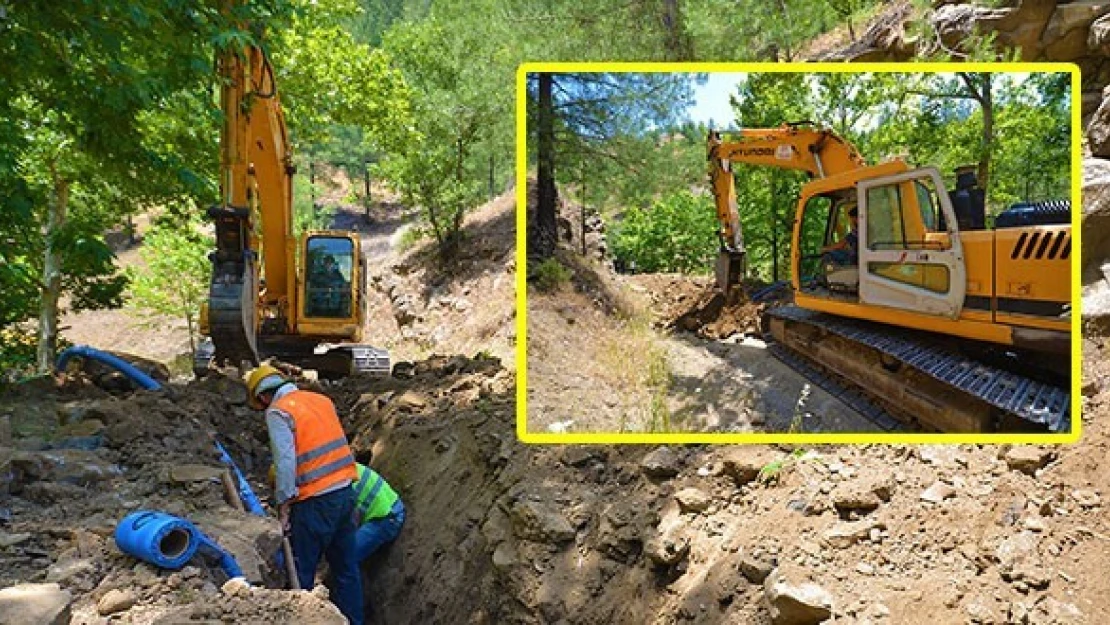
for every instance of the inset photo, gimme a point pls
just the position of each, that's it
(817, 252)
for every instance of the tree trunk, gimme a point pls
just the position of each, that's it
(52, 276)
(988, 134)
(368, 199)
(678, 42)
(546, 225)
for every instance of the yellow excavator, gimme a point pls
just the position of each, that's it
(271, 294)
(948, 325)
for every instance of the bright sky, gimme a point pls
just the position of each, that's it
(711, 101)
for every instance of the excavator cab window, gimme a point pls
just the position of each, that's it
(818, 226)
(328, 268)
(904, 216)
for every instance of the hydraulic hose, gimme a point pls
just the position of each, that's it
(124, 367)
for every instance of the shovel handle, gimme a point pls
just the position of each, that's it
(290, 565)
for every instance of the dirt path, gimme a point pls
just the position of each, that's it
(738, 386)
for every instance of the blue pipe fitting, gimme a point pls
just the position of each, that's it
(161, 539)
(168, 542)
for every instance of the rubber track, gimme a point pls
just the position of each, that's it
(855, 399)
(1033, 401)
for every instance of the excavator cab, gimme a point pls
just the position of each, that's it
(330, 294)
(829, 243)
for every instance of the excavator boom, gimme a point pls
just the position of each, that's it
(797, 146)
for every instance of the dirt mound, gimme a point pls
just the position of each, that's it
(696, 305)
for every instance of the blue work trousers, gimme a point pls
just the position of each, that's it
(377, 532)
(323, 525)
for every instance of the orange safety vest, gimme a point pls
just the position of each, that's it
(323, 457)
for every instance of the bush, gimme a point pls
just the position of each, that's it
(677, 234)
(550, 275)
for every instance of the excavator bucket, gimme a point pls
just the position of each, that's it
(730, 269)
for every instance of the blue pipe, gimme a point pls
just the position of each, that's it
(124, 367)
(250, 500)
(168, 542)
(227, 561)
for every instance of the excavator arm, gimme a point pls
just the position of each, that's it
(254, 213)
(797, 146)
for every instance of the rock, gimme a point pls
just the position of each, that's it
(410, 401)
(661, 463)
(9, 540)
(253, 540)
(864, 568)
(504, 557)
(1034, 523)
(72, 466)
(1051, 610)
(983, 610)
(1096, 218)
(536, 521)
(462, 305)
(1026, 458)
(939, 455)
(581, 455)
(864, 493)
(116, 600)
(188, 473)
(619, 536)
(671, 542)
(1086, 498)
(794, 600)
(35, 604)
(66, 570)
(847, 533)
(755, 568)
(80, 429)
(938, 492)
(1073, 16)
(404, 310)
(236, 587)
(1019, 561)
(692, 500)
(744, 462)
(1098, 41)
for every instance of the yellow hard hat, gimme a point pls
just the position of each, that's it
(264, 378)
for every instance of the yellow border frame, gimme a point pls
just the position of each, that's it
(817, 438)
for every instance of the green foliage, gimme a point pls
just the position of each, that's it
(17, 353)
(173, 279)
(442, 167)
(677, 233)
(551, 275)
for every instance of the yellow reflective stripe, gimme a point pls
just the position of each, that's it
(320, 451)
(326, 469)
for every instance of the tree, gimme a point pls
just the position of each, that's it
(578, 119)
(173, 280)
(677, 233)
(89, 76)
(442, 166)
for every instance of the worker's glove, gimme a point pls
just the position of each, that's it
(283, 516)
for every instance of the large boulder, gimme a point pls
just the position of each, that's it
(35, 604)
(794, 599)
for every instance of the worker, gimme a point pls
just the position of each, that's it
(312, 484)
(846, 250)
(328, 274)
(379, 508)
